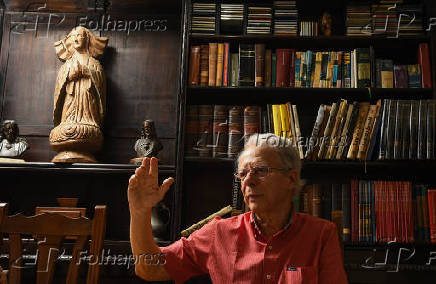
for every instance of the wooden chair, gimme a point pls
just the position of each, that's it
(52, 228)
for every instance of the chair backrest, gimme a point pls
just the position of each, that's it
(51, 229)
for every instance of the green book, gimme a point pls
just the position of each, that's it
(273, 69)
(234, 70)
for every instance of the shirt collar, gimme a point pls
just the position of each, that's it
(256, 226)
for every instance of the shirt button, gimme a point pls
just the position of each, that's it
(268, 276)
(270, 247)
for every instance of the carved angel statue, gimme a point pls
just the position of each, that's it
(79, 98)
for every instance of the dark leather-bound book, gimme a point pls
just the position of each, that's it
(259, 52)
(316, 200)
(383, 129)
(326, 201)
(236, 131)
(213, 54)
(400, 76)
(346, 211)
(424, 61)
(246, 64)
(414, 75)
(363, 68)
(191, 137)
(204, 65)
(252, 121)
(405, 131)
(431, 117)
(220, 131)
(283, 66)
(205, 127)
(422, 125)
(413, 124)
(390, 130)
(292, 68)
(194, 65)
(268, 64)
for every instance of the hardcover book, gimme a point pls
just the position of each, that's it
(246, 64)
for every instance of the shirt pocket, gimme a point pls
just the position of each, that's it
(299, 275)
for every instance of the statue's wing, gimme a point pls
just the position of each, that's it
(99, 84)
(59, 94)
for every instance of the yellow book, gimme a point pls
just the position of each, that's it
(291, 121)
(358, 130)
(276, 119)
(297, 131)
(284, 116)
(340, 117)
(317, 75)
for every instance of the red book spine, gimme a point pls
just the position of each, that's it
(432, 214)
(292, 68)
(226, 65)
(410, 223)
(383, 207)
(424, 61)
(354, 211)
(391, 212)
(283, 65)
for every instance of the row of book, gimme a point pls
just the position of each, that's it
(254, 65)
(375, 211)
(280, 18)
(367, 210)
(384, 19)
(388, 130)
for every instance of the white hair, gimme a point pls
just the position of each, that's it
(285, 149)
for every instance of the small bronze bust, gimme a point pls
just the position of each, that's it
(326, 24)
(11, 145)
(148, 145)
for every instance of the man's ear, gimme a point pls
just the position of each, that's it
(292, 175)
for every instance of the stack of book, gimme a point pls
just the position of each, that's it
(232, 18)
(203, 18)
(384, 19)
(285, 18)
(308, 28)
(358, 20)
(410, 20)
(259, 20)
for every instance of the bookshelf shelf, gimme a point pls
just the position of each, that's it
(319, 42)
(262, 95)
(77, 168)
(414, 170)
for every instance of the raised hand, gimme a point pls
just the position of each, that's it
(144, 191)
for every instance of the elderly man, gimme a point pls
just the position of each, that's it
(270, 244)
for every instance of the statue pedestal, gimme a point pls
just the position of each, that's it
(74, 157)
(137, 161)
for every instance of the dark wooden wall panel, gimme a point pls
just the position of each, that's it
(142, 71)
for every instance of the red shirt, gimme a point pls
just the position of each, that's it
(234, 250)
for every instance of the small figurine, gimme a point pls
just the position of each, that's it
(148, 145)
(11, 145)
(326, 24)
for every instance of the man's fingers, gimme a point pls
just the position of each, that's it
(143, 170)
(153, 167)
(166, 185)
